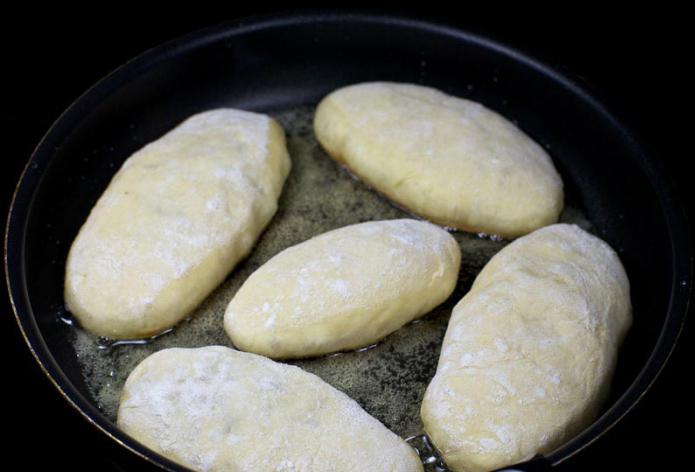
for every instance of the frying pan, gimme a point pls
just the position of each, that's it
(275, 63)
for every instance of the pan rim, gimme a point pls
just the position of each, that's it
(29, 182)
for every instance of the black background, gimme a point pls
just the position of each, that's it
(634, 61)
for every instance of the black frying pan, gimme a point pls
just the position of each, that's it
(280, 62)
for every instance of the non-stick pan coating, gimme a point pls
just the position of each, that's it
(278, 63)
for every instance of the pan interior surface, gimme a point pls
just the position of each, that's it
(284, 66)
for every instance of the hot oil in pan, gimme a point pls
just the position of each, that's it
(388, 380)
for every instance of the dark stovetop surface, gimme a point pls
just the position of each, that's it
(632, 61)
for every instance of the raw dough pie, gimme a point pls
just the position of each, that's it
(448, 159)
(173, 222)
(217, 409)
(529, 352)
(344, 289)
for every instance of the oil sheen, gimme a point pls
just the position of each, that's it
(389, 379)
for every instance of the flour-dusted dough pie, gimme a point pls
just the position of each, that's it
(175, 219)
(344, 289)
(529, 351)
(217, 409)
(445, 158)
